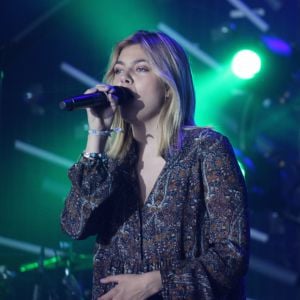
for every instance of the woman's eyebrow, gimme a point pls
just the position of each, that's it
(119, 62)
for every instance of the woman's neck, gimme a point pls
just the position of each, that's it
(148, 138)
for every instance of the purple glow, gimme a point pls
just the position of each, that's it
(277, 45)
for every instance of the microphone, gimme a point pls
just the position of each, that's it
(95, 99)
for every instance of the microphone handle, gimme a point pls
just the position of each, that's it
(83, 101)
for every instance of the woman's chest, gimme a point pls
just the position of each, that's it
(148, 172)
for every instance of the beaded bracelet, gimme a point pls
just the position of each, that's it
(108, 132)
(92, 155)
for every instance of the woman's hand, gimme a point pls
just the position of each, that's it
(133, 287)
(101, 118)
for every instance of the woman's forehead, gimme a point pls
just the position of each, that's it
(132, 51)
(133, 54)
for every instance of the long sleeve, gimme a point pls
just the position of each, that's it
(219, 269)
(91, 185)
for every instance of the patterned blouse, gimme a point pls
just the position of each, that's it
(193, 227)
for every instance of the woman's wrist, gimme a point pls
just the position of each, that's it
(92, 155)
(104, 132)
(99, 132)
(153, 282)
(97, 139)
(96, 143)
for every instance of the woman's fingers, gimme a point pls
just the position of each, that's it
(99, 116)
(109, 91)
(91, 91)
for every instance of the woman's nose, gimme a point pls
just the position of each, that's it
(126, 78)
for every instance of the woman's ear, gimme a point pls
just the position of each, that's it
(167, 92)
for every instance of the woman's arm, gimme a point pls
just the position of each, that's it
(91, 185)
(220, 269)
(90, 178)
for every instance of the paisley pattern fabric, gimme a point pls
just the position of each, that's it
(193, 227)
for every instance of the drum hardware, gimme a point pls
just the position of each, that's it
(56, 278)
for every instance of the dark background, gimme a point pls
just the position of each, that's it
(261, 118)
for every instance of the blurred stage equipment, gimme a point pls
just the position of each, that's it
(33, 97)
(251, 15)
(27, 247)
(65, 275)
(274, 271)
(275, 4)
(78, 74)
(190, 47)
(42, 154)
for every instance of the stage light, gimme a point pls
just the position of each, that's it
(43, 154)
(246, 64)
(33, 96)
(277, 45)
(191, 47)
(243, 170)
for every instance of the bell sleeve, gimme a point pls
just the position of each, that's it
(91, 186)
(218, 271)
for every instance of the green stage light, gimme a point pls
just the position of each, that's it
(242, 167)
(50, 262)
(246, 64)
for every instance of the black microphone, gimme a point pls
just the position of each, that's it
(96, 99)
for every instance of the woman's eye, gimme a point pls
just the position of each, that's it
(117, 71)
(142, 69)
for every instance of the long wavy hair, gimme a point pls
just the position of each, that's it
(171, 65)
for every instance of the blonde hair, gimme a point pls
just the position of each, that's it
(171, 65)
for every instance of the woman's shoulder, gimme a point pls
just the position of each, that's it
(205, 140)
(202, 135)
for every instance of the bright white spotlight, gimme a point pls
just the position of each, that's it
(245, 64)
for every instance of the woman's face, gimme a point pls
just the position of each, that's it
(134, 71)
